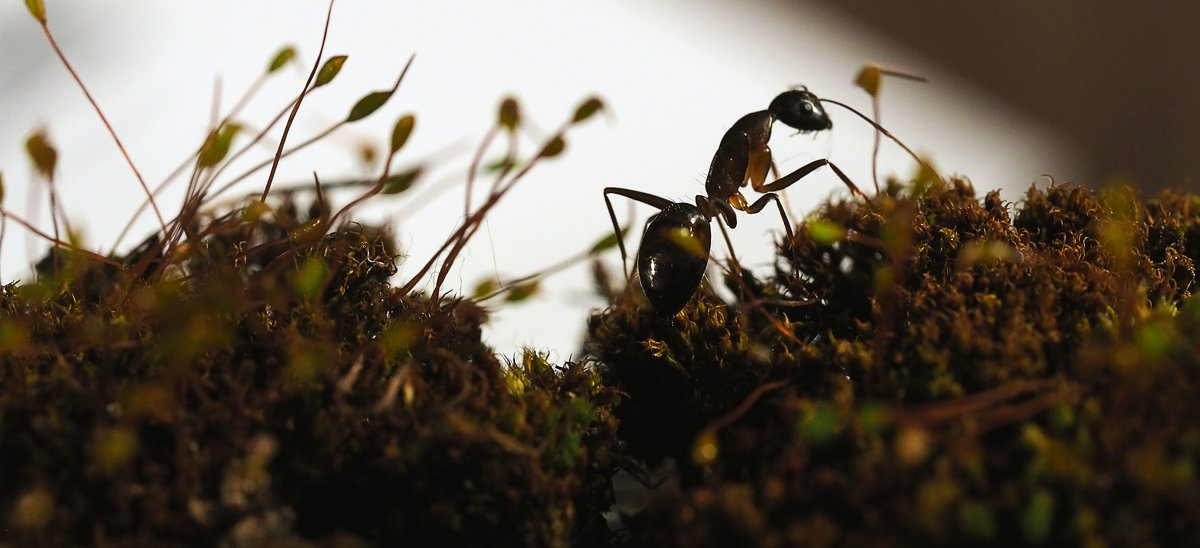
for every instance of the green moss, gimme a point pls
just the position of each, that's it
(251, 376)
(189, 410)
(968, 370)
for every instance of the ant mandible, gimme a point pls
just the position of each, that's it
(674, 250)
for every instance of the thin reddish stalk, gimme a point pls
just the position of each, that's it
(295, 109)
(5, 214)
(111, 131)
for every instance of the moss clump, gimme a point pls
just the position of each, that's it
(965, 371)
(269, 385)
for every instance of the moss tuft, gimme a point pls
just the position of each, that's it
(960, 370)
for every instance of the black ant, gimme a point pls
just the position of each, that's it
(674, 250)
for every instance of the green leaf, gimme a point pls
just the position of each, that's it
(607, 242)
(329, 70)
(820, 423)
(1037, 521)
(505, 163)
(42, 153)
(216, 145)
(281, 59)
(484, 288)
(305, 364)
(37, 9)
(400, 337)
(587, 109)
(977, 519)
(13, 335)
(254, 211)
(309, 232)
(310, 277)
(1, 187)
(400, 133)
(399, 182)
(368, 104)
(509, 116)
(521, 292)
(553, 147)
(825, 232)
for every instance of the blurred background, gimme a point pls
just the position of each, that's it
(1079, 91)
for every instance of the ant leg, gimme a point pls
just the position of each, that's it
(728, 242)
(722, 211)
(787, 204)
(645, 198)
(717, 208)
(759, 204)
(759, 163)
(791, 178)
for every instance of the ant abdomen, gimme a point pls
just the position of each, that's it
(673, 256)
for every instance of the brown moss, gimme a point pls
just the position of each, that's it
(969, 371)
(285, 392)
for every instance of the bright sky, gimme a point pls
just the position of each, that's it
(674, 75)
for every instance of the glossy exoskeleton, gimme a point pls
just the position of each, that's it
(673, 254)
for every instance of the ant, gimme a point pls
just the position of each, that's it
(673, 254)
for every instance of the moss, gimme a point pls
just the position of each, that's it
(923, 367)
(965, 371)
(251, 376)
(193, 410)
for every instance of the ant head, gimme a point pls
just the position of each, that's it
(800, 109)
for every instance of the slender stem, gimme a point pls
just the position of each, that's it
(265, 163)
(387, 164)
(737, 412)
(5, 214)
(878, 139)
(291, 117)
(54, 219)
(556, 267)
(3, 229)
(476, 220)
(111, 131)
(475, 168)
(454, 239)
(889, 135)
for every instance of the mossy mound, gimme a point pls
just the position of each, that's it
(925, 367)
(267, 385)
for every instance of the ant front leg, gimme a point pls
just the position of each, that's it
(791, 178)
